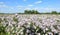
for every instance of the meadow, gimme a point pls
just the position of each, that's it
(30, 24)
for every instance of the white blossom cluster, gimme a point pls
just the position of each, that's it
(15, 22)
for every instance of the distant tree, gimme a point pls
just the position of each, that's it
(27, 11)
(54, 12)
(35, 12)
(31, 12)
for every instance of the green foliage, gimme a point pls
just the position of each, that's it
(54, 12)
(15, 19)
(5, 20)
(55, 26)
(31, 12)
(36, 12)
(3, 30)
(33, 29)
(0, 20)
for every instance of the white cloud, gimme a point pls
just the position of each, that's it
(1, 6)
(48, 9)
(1, 2)
(36, 8)
(30, 5)
(19, 6)
(38, 2)
(27, 8)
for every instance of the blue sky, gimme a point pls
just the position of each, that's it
(16, 6)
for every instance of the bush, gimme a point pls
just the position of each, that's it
(54, 12)
(3, 30)
(31, 12)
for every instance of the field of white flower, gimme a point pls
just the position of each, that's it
(30, 24)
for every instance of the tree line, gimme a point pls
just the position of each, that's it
(36, 12)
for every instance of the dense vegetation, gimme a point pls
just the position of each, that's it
(31, 12)
(32, 29)
(36, 12)
(19, 25)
